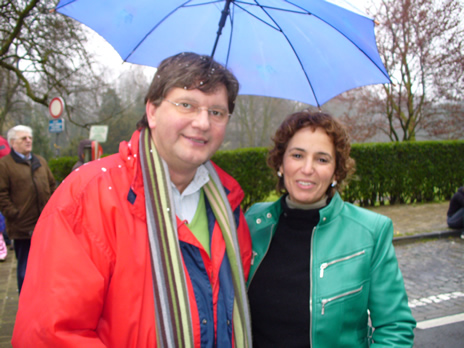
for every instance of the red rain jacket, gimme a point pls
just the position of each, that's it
(89, 278)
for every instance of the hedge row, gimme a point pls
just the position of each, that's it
(406, 172)
(403, 172)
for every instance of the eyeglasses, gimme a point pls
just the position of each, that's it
(218, 116)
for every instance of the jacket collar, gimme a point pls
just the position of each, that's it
(332, 210)
(269, 213)
(35, 163)
(129, 153)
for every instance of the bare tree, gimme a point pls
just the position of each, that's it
(41, 53)
(448, 121)
(255, 120)
(360, 110)
(421, 45)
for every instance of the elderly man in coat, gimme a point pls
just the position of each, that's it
(26, 184)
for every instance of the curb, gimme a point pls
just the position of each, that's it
(419, 236)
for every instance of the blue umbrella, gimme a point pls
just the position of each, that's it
(305, 50)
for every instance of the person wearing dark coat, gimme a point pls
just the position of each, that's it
(81, 152)
(455, 215)
(26, 184)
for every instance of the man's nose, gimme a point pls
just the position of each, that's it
(202, 119)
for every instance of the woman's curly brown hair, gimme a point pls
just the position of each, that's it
(344, 164)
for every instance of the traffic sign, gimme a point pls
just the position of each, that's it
(56, 107)
(56, 125)
(98, 133)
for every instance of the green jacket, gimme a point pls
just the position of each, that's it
(353, 270)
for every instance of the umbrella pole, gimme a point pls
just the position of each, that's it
(222, 22)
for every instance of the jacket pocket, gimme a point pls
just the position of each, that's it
(342, 296)
(333, 262)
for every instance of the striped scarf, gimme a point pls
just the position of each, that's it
(173, 320)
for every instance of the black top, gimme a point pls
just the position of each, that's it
(279, 291)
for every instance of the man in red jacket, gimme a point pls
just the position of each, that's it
(148, 247)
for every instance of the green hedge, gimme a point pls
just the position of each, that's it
(248, 167)
(62, 166)
(405, 172)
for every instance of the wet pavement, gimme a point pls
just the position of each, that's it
(433, 272)
(8, 298)
(432, 265)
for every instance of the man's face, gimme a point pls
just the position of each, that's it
(185, 141)
(22, 143)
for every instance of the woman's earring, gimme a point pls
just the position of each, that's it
(279, 174)
(334, 183)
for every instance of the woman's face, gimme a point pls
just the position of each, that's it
(308, 165)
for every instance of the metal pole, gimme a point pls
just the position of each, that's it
(222, 22)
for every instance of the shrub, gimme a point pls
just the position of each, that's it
(62, 166)
(405, 172)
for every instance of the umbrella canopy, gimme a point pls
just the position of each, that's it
(4, 147)
(305, 50)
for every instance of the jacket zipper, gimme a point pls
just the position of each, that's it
(253, 257)
(311, 289)
(254, 254)
(327, 264)
(325, 301)
(35, 187)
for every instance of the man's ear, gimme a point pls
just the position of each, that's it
(150, 110)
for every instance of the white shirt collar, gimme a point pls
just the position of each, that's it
(187, 202)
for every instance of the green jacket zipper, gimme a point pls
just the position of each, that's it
(325, 301)
(327, 264)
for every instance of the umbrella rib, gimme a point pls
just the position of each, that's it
(231, 16)
(330, 25)
(272, 7)
(267, 7)
(156, 26)
(58, 7)
(310, 14)
(293, 49)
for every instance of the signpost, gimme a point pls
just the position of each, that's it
(56, 108)
(56, 126)
(98, 133)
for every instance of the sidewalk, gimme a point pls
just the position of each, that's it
(8, 298)
(411, 222)
(418, 221)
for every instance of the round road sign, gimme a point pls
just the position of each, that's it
(56, 107)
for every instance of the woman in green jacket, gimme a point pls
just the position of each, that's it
(324, 272)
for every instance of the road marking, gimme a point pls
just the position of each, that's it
(435, 299)
(427, 324)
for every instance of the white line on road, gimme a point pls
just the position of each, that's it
(435, 299)
(427, 324)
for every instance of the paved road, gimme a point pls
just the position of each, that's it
(433, 271)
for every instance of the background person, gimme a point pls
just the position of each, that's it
(320, 264)
(3, 246)
(4, 239)
(26, 184)
(93, 281)
(86, 152)
(455, 214)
